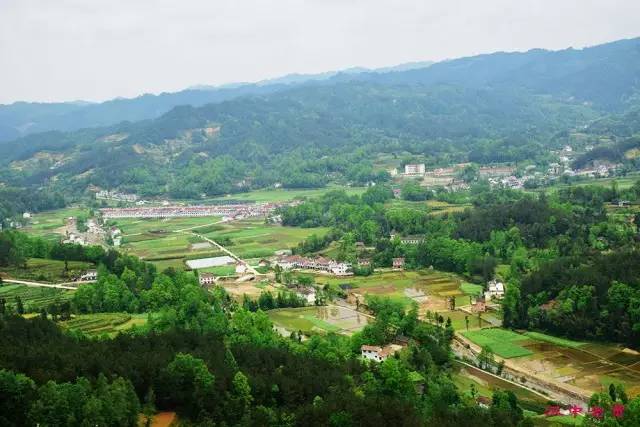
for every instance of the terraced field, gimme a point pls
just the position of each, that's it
(33, 298)
(47, 270)
(104, 323)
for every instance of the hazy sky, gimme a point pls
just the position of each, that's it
(56, 50)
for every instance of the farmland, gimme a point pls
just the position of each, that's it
(104, 323)
(282, 194)
(33, 298)
(254, 239)
(502, 342)
(47, 224)
(587, 366)
(319, 319)
(46, 270)
(465, 376)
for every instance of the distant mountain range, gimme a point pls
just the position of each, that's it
(24, 118)
(605, 76)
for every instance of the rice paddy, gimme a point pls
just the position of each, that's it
(502, 342)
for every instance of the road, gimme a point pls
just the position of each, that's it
(228, 252)
(66, 285)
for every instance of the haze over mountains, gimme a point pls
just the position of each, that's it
(604, 75)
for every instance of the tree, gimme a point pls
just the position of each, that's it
(188, 385)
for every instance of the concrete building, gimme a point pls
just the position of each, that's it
(398, 263)
(414, 169)
(89, 275)
(206, 279)
(495, 289)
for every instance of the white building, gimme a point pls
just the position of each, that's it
(308, 294)
(414, 169)
(89, 275)
(26, 215)
(206, 279)
(495, 289)
(241, 268)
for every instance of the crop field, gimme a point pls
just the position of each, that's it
(319, 319)
(46, 224)
(134, 226)
(589, 366)
(405, 286)
(464, 376)
(104, 323)
(33, 298)
(250, 289)
(254, 239)
(435, 207)
(283, 194)
(46, 270)
(502, 342)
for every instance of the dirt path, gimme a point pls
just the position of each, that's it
(66, 285)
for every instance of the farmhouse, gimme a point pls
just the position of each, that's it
(264, 263)
(398, 263)
(307, 293)
(241, 268)
(414, 169)
(318, 264)
(495, 289)
(207, 279)
(377, 353)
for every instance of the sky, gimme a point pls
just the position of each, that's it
(63, 50)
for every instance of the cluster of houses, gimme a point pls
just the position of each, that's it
(228, 211)
(293, 262)
(377, 353)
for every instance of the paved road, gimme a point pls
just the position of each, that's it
(67, 285)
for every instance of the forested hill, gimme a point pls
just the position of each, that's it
(490, 108)
(604, 75)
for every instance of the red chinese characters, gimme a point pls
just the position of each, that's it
(617, 410)
(597, 412)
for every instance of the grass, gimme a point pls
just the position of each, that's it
(47, 270)
(104, 323)
(298, 319)
(33, 298)
(222, 270)
(502, 342)
(562, 342)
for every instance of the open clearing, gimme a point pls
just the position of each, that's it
(319, 319)
(104, 323)
(33, 298)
